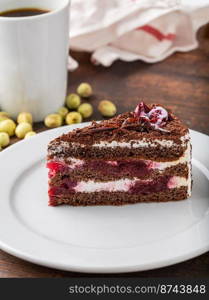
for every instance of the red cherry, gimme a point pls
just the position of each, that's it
(55, 166)
(157, 115)
(141, 110)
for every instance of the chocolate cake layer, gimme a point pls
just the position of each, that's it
(152, 153)
(108, 172)
(118, 198)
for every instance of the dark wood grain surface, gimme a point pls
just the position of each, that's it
(181, 82)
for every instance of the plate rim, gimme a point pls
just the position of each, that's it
(108, 270)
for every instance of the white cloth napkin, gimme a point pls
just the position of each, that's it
(129, 30)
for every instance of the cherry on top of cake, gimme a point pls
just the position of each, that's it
(145, 121)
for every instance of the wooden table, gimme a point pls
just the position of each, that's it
(181, 82)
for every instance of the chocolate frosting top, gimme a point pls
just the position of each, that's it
(149, 122)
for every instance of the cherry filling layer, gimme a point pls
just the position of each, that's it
(136, 186)
(134, 168)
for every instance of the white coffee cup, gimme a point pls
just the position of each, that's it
(33, 58)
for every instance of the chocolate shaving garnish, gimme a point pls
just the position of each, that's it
(140, 126)
(163, 130)
(103, 129)
(128, 121)
(170, 118)
(98, 129)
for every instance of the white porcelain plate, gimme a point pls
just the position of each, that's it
(100, 239)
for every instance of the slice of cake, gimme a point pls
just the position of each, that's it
(139, 156)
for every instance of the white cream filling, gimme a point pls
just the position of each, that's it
(75, 163)
(122, 185)
(142, 143)
(59, 147)
(135, 144)
(177, 181)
